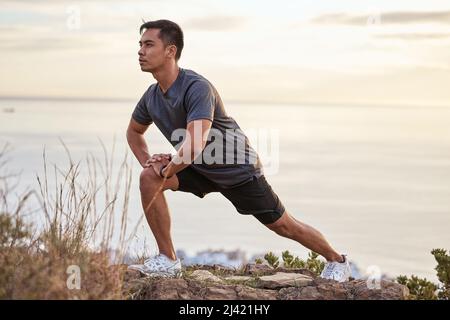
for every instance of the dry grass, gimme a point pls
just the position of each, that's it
(36, 261)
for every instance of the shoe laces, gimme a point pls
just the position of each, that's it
(155, 260)
(329, 269)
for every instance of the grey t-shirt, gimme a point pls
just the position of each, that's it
(192, 97)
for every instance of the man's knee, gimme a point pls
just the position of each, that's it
(148, 179)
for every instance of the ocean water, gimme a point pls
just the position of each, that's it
(374, 180)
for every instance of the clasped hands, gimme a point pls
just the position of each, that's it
(158, 161)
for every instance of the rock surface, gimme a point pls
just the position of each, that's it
(282, 280)
(204, 275)
(239, 278)
(259, 283)
(322, 289)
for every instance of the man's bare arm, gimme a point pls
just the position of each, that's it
(136, 141)
(195, 142)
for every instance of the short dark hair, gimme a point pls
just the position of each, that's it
(169, 32)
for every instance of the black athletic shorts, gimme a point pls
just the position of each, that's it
(255, 197)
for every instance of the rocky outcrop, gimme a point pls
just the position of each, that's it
(321, 289)
(282, 280)
(257, 282)
(204, 275)
(186, 289)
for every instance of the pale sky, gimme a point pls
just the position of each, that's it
(340, 52)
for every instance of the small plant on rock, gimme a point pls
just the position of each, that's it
(272, 259)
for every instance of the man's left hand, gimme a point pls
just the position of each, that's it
(158, 161)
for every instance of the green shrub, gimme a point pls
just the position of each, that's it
(272, 259)
(313, 263)
(443, 272)
(419, 289)
(422, 289)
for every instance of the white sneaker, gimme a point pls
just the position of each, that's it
(159, 266)
(339, 271)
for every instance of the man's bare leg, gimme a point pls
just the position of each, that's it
(289, 227)
(158, 215)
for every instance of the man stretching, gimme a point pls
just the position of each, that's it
(184, 100)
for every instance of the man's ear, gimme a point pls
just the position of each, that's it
(171, 51)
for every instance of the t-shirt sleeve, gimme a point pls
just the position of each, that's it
(140, 113)
(200, 101)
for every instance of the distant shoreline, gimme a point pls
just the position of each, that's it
(246, 102)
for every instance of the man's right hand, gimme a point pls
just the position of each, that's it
(158, 157)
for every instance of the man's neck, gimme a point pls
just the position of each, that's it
(166, 77)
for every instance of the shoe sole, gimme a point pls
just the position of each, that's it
(158, 274)
(340, 280)
(162, 275)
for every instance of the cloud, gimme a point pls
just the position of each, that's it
(46, 44)
(401, 17)
(26, 38)
(215, 23)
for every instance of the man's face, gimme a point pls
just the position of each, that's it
(152, 53)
